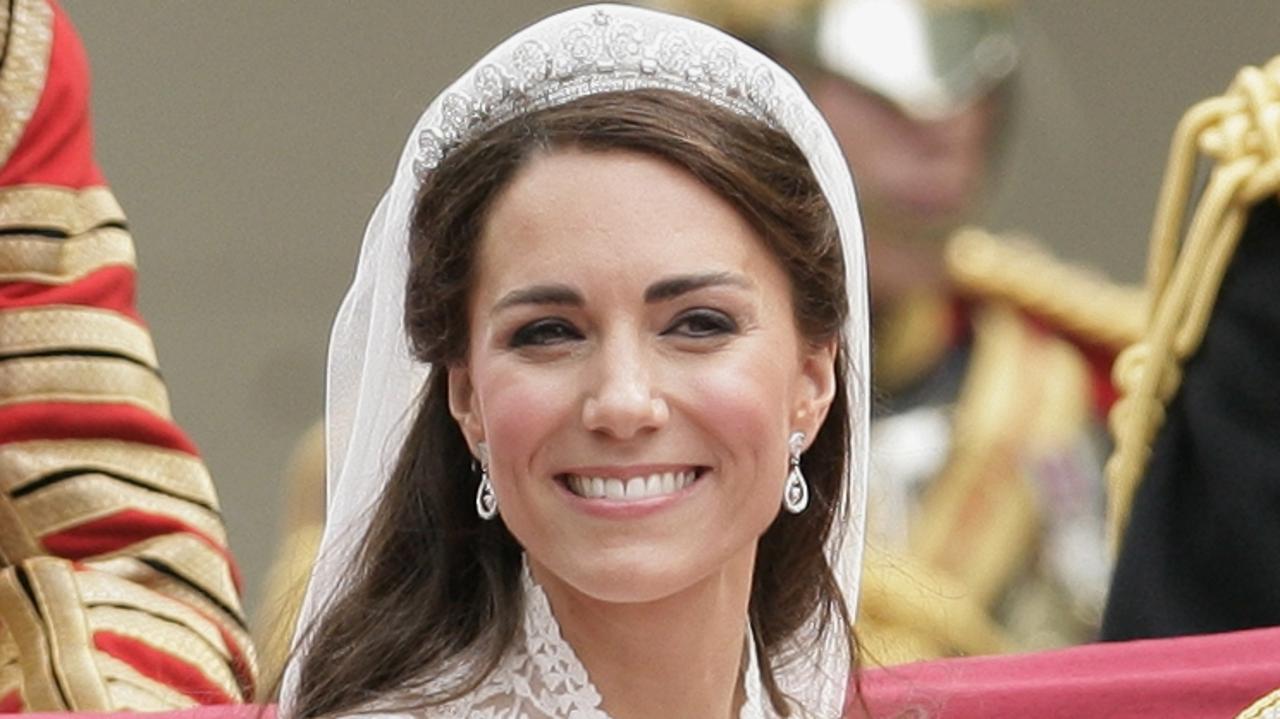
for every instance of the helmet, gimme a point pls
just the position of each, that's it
(929, 58)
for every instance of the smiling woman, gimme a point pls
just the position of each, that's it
(634, 296)
(642, 373)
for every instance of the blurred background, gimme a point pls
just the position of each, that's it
(248, 142)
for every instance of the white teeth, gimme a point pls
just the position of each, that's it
(635, 488)
(653, 485)
(613, 489)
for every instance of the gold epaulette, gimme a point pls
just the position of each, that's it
(27, 44)
(1239, 135)
(1083, 303)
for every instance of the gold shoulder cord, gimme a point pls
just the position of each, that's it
(1015, 270)
(1239, 133)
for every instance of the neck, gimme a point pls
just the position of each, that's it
(681, 655)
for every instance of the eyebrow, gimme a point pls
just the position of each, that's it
(673, 287)
(661, 291)
(552, 294)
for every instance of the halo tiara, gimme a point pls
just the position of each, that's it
(599, 55)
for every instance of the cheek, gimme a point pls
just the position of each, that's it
(744, 404)
(521, 407)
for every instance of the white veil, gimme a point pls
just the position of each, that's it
(373, 381)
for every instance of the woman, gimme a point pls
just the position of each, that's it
(616, 470)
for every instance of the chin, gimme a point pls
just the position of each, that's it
(631, 575)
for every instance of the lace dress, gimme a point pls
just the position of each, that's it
(540, 676)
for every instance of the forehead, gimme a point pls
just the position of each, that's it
(616, 211)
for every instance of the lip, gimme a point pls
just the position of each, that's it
(613, 509)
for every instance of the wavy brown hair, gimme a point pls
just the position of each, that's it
(433, 585)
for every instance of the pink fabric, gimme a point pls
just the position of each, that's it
(1207, 676)
(227, 711)
(1190, 677)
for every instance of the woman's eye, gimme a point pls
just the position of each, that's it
(703, 323)
(545, 332)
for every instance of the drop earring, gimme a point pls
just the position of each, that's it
(795, 496)
(486, 500)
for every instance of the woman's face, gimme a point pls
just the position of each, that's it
(635, 370)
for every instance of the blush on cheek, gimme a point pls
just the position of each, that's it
(520, 409)
(742, 402)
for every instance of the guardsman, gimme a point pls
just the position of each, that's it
(117, 589)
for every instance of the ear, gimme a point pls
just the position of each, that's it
(464, 406)
(817, 387)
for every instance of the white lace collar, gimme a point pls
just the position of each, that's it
(541, 677)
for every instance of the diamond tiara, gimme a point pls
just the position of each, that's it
(602, 54)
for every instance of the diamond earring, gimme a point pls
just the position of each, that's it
(486, 500)
(795, 497)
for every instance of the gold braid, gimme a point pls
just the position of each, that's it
(1240, 133)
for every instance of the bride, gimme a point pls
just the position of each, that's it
(598, 396)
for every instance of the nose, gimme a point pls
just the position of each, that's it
(623, 401)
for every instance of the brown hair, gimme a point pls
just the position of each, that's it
(433, 583)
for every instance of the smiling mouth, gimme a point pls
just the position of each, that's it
(631, 489)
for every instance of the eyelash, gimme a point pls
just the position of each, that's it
(553, 331)
(719, 323)
(544, 332)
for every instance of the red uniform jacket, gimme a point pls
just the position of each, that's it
(117, 590)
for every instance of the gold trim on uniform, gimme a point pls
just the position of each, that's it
(31, 258)
(68, 210)
(1190, 251)
(979, 518)
(100, 588)
(10, 670)
(130, 568)
(4, 23)
(60, 327)
(1019, 272)
(169, 639)
(20, 620)
(8, 650)
(10, 676)
(131, 691)
(26, 62)
(57, 636)
(194, 560)
(15, 542)
(82, 379)
(65, 209)
(67, 631)
(167, 470)
(87, 497)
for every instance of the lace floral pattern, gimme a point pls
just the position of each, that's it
(539, 678)
(542, 677)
